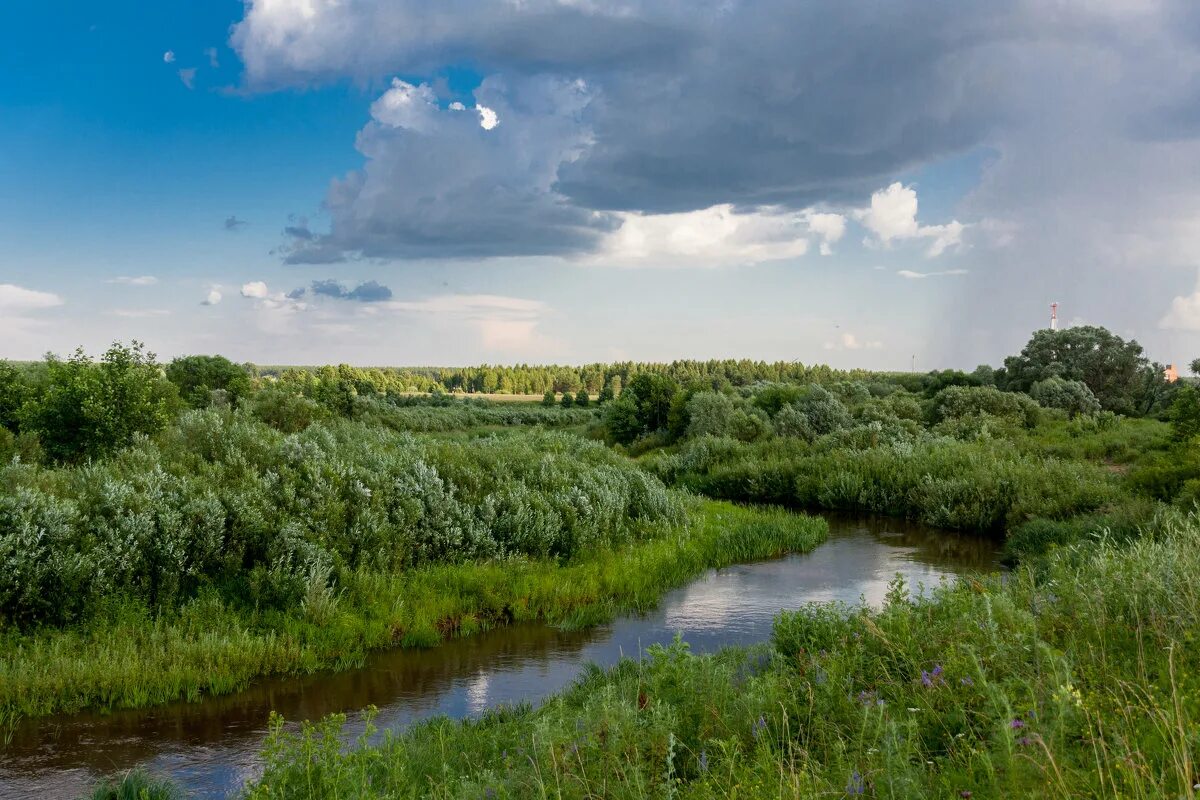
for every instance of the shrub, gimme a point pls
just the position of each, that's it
(1074, 397)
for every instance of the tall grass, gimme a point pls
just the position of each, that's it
(131, 657)
(981, 486)
(1078, 678)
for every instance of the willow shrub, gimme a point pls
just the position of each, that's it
(223, 500)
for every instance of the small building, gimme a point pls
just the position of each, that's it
(1170, 373)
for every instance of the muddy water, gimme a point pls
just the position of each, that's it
(211, 748)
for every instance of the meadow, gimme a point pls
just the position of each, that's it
(189, 529)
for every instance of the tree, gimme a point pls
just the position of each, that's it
(1194, 366)
(652, 393)
(568, 400)
(621, 420)
(548, 398)
(1112, 368)
(13, 393)
(606, 394)
(1185, 414)
(1074, 397)
(89, 409)
(199, 376)
(581, 398)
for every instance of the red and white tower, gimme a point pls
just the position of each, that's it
(1054, 316)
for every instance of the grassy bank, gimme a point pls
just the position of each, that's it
(126, 656)
(1079, 677)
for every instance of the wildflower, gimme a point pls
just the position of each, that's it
(966, 681)
(759, 726)
(1017, 724)
(914, 710)
(704, 761)
(855, 786)
(930, 678)
(965, 794)
(1024, 741)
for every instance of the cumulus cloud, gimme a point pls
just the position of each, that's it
(438, 183)
(892, 216)
(256, 290)
(138, 280)
(715, 236)
(1183, 313)
(213, 61)
(913, 275)
(169, 57)
(212, 298)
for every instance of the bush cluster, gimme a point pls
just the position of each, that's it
(221, 499)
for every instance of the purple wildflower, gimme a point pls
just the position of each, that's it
(759, 726)
(1017, 724)
(855, 786)
(1024, 741)
(965, 794)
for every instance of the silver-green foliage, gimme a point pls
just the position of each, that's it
(221, 499)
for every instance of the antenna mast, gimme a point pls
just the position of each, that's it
(1054, 316)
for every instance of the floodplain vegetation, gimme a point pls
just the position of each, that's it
(175, 533)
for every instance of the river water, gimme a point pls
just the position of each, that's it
(211, 748)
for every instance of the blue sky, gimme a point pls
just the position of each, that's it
(851, 182)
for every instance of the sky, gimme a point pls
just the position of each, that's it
(864, 183)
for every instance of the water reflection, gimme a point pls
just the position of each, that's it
(211, 748)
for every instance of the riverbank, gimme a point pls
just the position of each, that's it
(1075, 677)
(128, 659)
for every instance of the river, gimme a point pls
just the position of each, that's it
(211, 748)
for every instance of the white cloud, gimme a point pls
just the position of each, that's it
(212, 298)
(169, 57)
(407, 106)
(15, 299)
(912, 275)
(1184, 313)
(256, 290)
(830, 227)
(188, 76)
(892, 216)
(139, 280)
(488, 118)
(848, 341)
(17, 303)
(711, 237)
(141, 313)
(213, 61)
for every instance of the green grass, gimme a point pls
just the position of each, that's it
(135, 785)
(127, 658)
(1077, 677)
